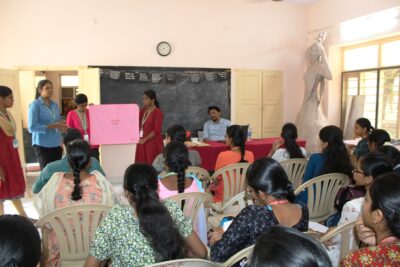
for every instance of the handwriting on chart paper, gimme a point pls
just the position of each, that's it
(114, 124)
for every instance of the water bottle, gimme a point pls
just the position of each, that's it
(249, 134)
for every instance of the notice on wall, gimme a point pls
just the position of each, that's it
(114, 124)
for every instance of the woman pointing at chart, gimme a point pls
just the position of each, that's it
(45, 125)
(150, 124)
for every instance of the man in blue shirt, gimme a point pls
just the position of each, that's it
(62, 165)
(215, 129)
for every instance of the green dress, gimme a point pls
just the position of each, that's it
(120, 239)
(361, 148)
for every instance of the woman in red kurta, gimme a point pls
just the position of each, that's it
(79, 119)
(12, 183)
(150, 124)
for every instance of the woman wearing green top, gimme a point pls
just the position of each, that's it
(146, 231)
(362, 128)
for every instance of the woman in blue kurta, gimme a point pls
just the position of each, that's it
(333, 158)
(45, 125)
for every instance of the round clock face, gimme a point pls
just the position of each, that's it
(164, 49)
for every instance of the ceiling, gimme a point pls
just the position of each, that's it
(305, 2)
(297, 2)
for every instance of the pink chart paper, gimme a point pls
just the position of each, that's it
(114, 124)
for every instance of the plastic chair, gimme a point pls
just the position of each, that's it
(347, 240)
(74, 227)
(202, 174)
(230, 208)
(239, 256)
(192, 202)
(233, 177)
(295, 169)
(322, 191)
(184, 263)
(313, 235)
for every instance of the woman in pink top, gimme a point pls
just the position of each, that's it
(236, 139)
(176, 181)
(79, 119)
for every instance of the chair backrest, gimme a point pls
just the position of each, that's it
(74, 227)
(202, 174)
(313, 235)
(239, 256)
(184, 263)
(234, 177)
(236, 203)
(295, 169)
(321, 193)
(347, 240)
(192, 202)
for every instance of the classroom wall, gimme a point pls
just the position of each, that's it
(330, 16)
(252, 34)
(225, 33)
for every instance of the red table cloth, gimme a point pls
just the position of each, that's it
(259, 147)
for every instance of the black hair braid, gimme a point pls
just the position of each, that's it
(181, 177)
(242, 148)
(165, 239)
(77, 193)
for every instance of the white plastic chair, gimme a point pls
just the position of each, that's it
(239, 256)
(295, 169)
(193, 202)
(321, 193)
(202, 174)
(74, 227)
(230, 208)
(233, 177)
(345, 238)
(184, 263)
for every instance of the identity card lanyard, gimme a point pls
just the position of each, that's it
(145, 116)
(84, 125)
(52, 114)
(15, 141)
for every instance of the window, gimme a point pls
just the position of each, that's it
(373, 71)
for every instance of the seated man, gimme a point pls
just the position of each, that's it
(215, 129)
(176, 133)
(62, 164)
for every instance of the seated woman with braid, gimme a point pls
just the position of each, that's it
(72, 188)
(236, 140)
(175, 181)
(273, 196)
(147, 230)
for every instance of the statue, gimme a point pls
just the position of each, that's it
(311, 118)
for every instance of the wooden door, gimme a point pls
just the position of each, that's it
(27, 89)
(89, 84)
(272, 107)
(248, 100)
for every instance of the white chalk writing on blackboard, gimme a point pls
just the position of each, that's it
(130, 76)
(115, 74)
(156, 77)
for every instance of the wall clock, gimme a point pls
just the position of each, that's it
(164, 48)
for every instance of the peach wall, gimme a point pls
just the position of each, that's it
(207, 33)
(329, 16)
(242, 34)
